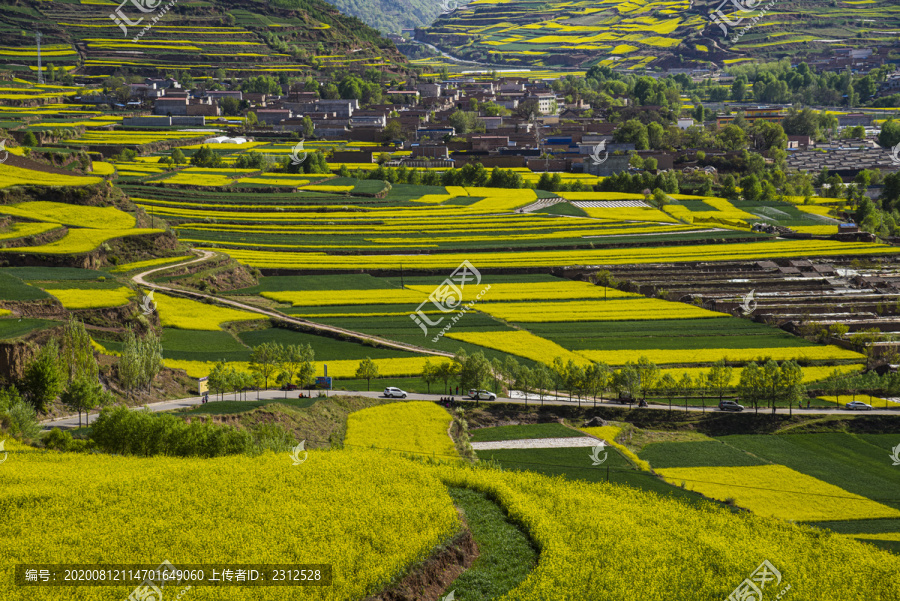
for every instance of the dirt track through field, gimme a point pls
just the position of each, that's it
(275, 315)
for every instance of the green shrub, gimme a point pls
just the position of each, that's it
(58, 440)
(120, 430)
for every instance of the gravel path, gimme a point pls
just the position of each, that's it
(537, 443)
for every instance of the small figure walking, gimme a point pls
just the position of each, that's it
(807, 403)
(457, 390)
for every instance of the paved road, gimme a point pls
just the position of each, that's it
(72, 422)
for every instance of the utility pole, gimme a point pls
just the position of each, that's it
(40, 74)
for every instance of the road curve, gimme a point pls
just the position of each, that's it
(206, 254)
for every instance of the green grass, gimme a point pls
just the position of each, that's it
(696, 454)
(214, 407)
(564, 208)
(858, 464)
(14, 289)
(576, 464)
(42, 274)
(198, 345)
(506, 555)
(13, 328)
(524, 432)
(326, 349)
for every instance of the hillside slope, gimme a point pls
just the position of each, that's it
(242, 37)
(669, 33)
(390, 16)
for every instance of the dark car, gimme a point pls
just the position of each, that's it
(288, 387)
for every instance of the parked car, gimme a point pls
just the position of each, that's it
(858, 405)
(482, 395)
(391, 392)
(730, 406)
(289, 387)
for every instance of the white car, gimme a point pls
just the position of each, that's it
(482, 395)
(391, 392)
(858, 405)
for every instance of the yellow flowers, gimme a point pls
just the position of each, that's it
(186, 314)
(348, 297)
(520, 342)
(81, 240)
(415, 427)
(107, 218)
(77, 298)
(778, 491)
(663, 356)
(611, 310)
(563, 289)
(148, 263)
(17, 176)
(364, 513)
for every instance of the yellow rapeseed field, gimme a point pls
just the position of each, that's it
(107, 218)
(414, 427)
(186, 314)
(778, 491)
(663, 356)
(319, 298)
(372, 514)
(368, 516)
(595, 310)
(520, 342)
(77, 298)
(561, 290)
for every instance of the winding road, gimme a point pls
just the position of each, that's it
(140, 279)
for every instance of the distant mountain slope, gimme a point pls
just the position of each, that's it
(390, 16)
(669, 33)
(243, 37)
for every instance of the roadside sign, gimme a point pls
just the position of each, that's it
(323, 382)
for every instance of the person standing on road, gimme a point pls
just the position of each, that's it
(807, 403)
(457, 390)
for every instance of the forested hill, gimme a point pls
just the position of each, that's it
(242, 37)
(390, 16)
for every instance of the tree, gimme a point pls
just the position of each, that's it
(667, 386)
(178, 157)
(42, 380)
(558, 371)
(628, 379)
(83, 394)
(575, 377)
(524, 380)
(295, 361)
(77, 352)
(719, 378)
(366, 371)
(751, 384)
(771, 382)
(446, 371)
(791, 381)
(151, 357)
(542, 380)
(731, 137)
(889, 135)
(430, 374)
(29, 140)
(264, 360)
(473, 369)
(597, 377)
(685, 385)
(648, 373)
